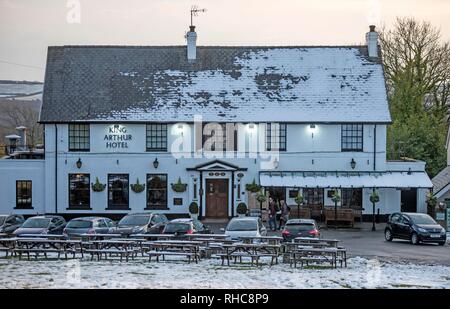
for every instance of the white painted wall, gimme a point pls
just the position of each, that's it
(13, 170)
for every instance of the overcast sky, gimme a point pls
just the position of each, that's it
(27, 27)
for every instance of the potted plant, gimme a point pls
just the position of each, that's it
(241, 209)
(299, 201)
(261, 198)
(179, 186)
(137, 187)
(98, 186)
(336, 198)
(193, 210)
(431, 204)
(253, 187)
(374, 198)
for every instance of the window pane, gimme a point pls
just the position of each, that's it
(79, 135)
(276, 136)
(313, 197)
(352, 137)
(156, 191)
(24, 194)
(157, 137)
(79, 190)
(118, 192)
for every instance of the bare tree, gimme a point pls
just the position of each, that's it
(417, 67)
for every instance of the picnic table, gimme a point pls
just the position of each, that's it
(121, 247)
(273, 240)
(208, 236)
(310, 240)
(189, 249)
(46, 236)
(315, 255)
(152, 236)
(253, 250)
(44, 246)
(90, 237)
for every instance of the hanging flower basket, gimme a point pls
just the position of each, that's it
(299, 199)
(137, 187)
(374, 197)
(261, 197)
(241, 209)
(179, 186)
(336, 198)
(253, 187)
(98, 186)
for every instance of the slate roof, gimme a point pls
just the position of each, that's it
(441, 180)
(225, 84)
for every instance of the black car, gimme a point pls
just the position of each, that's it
(141, 223)
(10, 223)
(415, 227)
(186, 226)
(300, 228)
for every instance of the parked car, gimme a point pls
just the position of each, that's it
(186, 226)
(42, 225)
(89, 225)
(141, 223)
(10, 223)
(300, 228)
(415, 227)
(245, 226)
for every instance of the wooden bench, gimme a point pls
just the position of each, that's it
(110, 252)
(6, 250)
(157, 254)
(341, 215)
(37, 251)
(302, 213)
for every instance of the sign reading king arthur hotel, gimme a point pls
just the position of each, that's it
(117, 137)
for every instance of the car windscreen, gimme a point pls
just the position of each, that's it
(2, 220)
(300, 227)
(134, 220)
(177, 228)
(79, 224)
(242, 225)
(422, 219)
(36, 223)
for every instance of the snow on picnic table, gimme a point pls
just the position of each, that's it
(360, 273)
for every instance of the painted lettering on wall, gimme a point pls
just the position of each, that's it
(117, 137)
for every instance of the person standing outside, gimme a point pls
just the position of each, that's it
(272, 214)
(285, 211)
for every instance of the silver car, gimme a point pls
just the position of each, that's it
(88, 225)
(245, 227)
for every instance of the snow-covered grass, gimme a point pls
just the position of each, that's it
(360, 273)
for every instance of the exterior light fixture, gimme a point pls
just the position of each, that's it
(276, 163)
(353, 164)
(79, 163)
(312, 129)
(409, 171)
(155, 163)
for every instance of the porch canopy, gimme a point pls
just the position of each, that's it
(345, 179)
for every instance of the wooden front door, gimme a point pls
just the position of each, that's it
(217, 198)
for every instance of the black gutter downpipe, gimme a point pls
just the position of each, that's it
(56, 168)
(232, 194)
(375, 147)
(201, 196)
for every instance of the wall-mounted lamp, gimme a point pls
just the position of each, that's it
(409, 171)
(180, 128)
(155, 163)
(353, 163)
(79, 163)
(276, 163)
(312, 129)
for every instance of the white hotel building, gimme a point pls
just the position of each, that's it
(310, 119)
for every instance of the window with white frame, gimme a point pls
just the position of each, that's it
(276, 136)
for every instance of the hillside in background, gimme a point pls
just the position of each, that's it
(21, 90)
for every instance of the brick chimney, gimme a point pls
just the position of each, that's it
(191, 38)
(372, 42)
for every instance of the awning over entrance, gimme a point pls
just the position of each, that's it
(345, 179)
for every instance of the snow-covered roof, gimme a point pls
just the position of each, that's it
(441, 180)
(225, 84)
(345, 179)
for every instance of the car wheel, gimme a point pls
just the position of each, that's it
(388, 235)
(414, 239)
(441, 243)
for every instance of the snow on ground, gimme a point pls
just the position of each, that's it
(360, 273)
